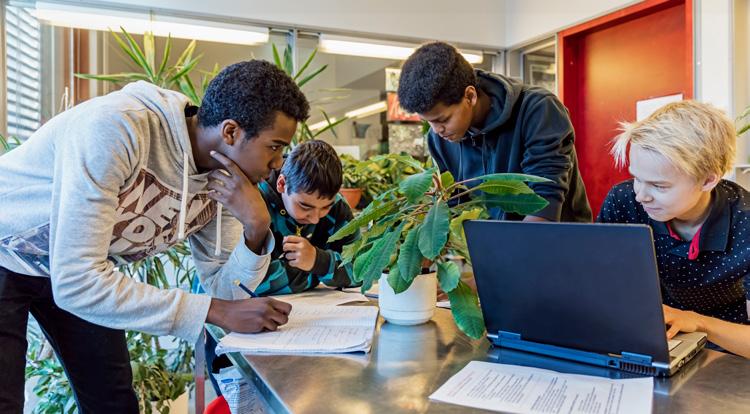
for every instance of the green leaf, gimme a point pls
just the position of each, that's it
(184, 70)
(504, 187)
(115, 77)
(311, 76)
(306, 64)
(379, 256)
(349, 251)
(398, 283)
(186, 54)
(149, 51)
(138, 53)
(457, 236)
(165, 56)
(448, 275)
(123, 46)
(511, 177)
(447, 179)
(466, 311)
(276, 58)
(372, 212)
(514, 203)
(409, 257)
(414, 186)
(434, 232)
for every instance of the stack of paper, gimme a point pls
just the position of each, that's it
(518, 389)
(311, 329)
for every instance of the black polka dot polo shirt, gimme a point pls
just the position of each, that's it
(711, 279)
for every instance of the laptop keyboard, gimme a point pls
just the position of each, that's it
(672, 344)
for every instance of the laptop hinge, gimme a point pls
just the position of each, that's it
(639, 358)
(509, 335)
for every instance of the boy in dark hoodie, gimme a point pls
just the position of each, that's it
(484, 123)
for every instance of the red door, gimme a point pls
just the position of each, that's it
(610, 63)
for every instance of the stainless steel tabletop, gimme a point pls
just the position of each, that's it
(408, 363)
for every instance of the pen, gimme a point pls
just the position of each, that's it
(243, 287)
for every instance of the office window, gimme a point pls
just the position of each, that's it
(23, 46)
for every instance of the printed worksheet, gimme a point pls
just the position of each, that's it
(518, 389)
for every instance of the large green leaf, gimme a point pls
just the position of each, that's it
(434, 232)
(379, 256)
(414, 186)
(466, 311)
(448, 275)
(398, 284)
(504, 187)
(511, 177)
(409, 257)
(514, 203)
(374, 211)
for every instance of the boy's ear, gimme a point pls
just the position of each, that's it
(471, 94)
(281, 183)
(230, 132)
(710, 182)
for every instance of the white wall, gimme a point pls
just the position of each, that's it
(530, 20)
(475, 22)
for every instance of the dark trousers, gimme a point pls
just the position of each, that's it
(95, 358)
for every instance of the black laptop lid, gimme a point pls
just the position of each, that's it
(592, 287)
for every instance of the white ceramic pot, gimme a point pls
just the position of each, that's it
(414, 306)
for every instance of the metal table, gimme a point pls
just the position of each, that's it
(408, 363)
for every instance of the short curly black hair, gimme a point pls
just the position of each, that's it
(434, 73)
(313, 166)
(250, 93)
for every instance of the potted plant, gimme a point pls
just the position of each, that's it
(353, 179)
(420, 220)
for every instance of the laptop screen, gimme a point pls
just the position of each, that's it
(592, 287)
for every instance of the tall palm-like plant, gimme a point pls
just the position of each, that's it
(160, 73)
(286, 63)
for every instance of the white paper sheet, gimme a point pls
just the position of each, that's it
(322, 296)
(517, 389)
(311, 329)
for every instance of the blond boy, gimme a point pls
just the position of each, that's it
(701, 223)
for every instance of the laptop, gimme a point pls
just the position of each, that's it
(583, 292)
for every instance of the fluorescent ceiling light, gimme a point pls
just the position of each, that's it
(368, 110)
(102, 19)
(340, 45)
(320, 125)
(362, 112)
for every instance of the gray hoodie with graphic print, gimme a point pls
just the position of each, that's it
(108, 182)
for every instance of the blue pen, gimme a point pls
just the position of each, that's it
(243, 287)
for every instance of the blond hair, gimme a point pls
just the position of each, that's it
(695, 137)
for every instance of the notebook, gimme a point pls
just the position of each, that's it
(311, 329)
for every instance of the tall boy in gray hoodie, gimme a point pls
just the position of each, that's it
(122, 177)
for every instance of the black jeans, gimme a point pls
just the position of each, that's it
(95, 358)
